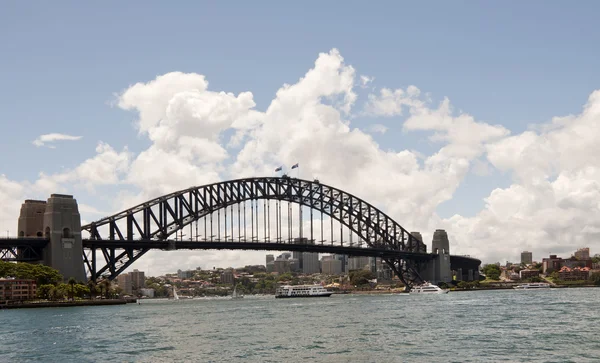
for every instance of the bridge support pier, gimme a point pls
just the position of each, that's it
(62, 224)
(57, 220)
(441, 265)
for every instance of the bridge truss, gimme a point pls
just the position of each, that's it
(253, 213)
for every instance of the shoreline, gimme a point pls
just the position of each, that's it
(57, 304)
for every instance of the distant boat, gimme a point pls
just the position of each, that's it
(428, 288)
(175, 296)
(235, 295)
(288, 291)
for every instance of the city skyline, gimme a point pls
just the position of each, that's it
(486, 129)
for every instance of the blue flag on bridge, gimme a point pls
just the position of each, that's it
(279, 168)
(295, 166)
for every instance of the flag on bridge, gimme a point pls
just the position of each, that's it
(279, 168)
(295, 166)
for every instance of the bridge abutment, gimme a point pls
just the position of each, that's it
(62, 225)
(57, 220)
(440, 246)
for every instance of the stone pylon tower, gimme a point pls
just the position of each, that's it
(31, 219)
(62, 224)
(441, 265)
(422, 246)
(57, 220)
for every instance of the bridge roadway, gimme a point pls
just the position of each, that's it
(456, 261)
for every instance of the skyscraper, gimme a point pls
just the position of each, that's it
(583, 253)
(270, 258)
(331, 266)
(358, 262)
(124, 282)
(310, 263)
(526, 257)
(138, 279)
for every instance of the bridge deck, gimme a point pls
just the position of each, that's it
(259, 246)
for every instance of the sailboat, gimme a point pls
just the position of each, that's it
(175, 296)
(235, 295)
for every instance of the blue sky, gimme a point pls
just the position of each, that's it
(510, 63)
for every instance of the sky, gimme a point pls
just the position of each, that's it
(477, 118)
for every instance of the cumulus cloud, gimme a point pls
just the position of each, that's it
(11, 196)
(392, 102)
(199, 136)
(43, 140)
(553, 206)
(107, 167)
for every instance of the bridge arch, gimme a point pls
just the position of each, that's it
(162, 217)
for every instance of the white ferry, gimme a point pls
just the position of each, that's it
(428, 288)
(301, 291)
(532, 285)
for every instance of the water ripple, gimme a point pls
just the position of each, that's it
(479, 326)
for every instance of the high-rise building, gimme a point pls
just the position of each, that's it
(583, 253)
(294, 265)
(358, 263)
(526, 257)
(270, 258)
(271, 266)
(282, 265)
(187, 274)
(227, 277)
(298, 254)
(331, 266)
(310, 263)
(344, 262)
(138, 279)
(124, 282)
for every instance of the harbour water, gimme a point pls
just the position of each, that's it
(550, 325)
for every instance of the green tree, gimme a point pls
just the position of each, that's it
(41, 274)
(492, 271)
(595, 278)
(45, 291)
(285, 277)
(92, 289)
(72, 283)
(360, 277)
(106, 287)
(81, 290)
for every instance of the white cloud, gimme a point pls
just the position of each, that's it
(553, 205)
(42, 140)
(365, 80)
(12, 195)
(392, 102)
(377, 128)
(107, 167)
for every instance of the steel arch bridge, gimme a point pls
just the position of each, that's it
(111, 246)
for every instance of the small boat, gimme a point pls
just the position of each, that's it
(428, 288)
(288, 291)
(532, 285)
(235, 295)
(175, 296)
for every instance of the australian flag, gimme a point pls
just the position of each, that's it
(295, 166)
(279, 168)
